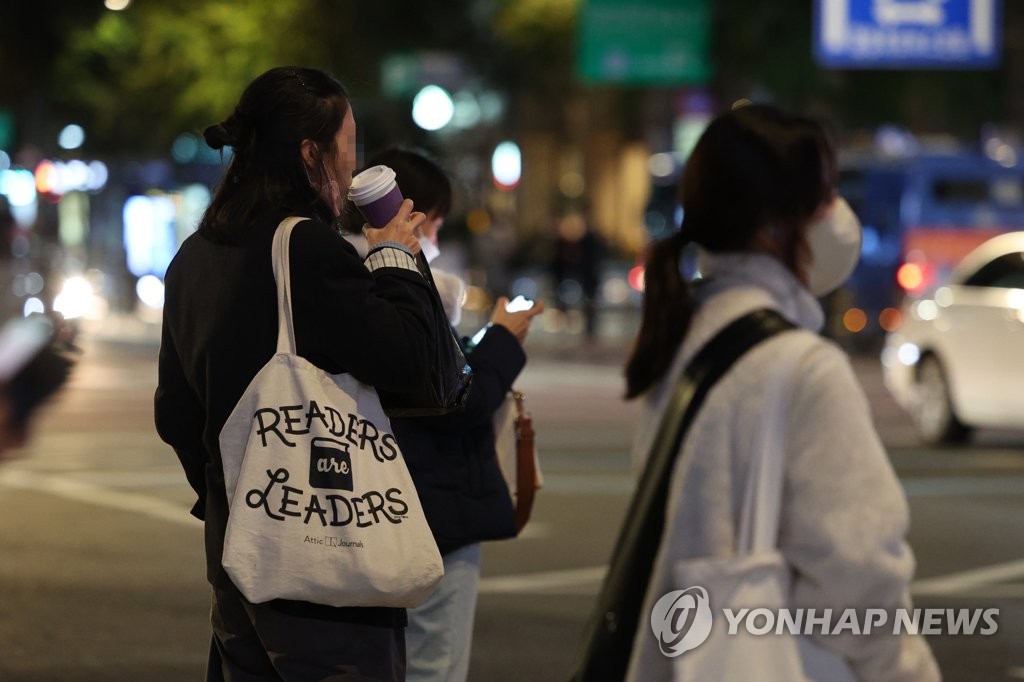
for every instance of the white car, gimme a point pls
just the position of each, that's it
(957, 360)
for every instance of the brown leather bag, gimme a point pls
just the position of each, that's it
(517, 454)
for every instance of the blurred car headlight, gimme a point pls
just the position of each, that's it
(78, 298)
(150, 291)
(926, 310)
(74, 298)
(908, 354)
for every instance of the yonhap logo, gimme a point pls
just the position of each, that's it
(681, 620)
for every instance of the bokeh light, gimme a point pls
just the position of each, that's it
(71, 137)
(855, 320)
(507, 165)
(432, 108)
(890, 319)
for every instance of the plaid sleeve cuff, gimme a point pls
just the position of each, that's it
(390, 257)
(394, 245)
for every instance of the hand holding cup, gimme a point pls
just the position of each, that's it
(376, 194)
(402, 228)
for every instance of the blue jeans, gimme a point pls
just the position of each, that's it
(440, 631)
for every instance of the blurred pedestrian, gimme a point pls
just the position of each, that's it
(34, 364)
(758, 189)
(452, 457)
(293, 137)
(11, 304)
(577, 268)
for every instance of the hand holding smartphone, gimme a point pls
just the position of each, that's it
(516, 315)
(519, 304)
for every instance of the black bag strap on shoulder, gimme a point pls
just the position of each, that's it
(608, 639)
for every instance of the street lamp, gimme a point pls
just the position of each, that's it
(507, 165)
(432, 108)
(71, 137)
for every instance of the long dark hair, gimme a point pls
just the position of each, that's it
(754, 166)
(267, 174)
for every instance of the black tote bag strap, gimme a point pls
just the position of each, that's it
(608, 640)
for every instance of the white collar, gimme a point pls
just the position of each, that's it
(750, 268)
(753, 280)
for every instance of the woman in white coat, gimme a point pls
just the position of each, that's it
(760, 202)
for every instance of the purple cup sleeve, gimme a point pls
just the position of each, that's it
(380, 212)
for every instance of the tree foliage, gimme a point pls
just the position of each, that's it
(538, 38)
(150, 73)
(138, 78)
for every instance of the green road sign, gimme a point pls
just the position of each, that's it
(403, 74)
(6, 129)
(644, 42)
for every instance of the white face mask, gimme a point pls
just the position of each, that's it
(835, 243)
(430, 250)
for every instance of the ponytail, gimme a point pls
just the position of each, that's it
(753, 166)
(667, 310)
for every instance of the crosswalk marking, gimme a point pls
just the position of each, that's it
(82, 491)
(987, 581)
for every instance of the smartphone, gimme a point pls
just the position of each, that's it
(519, 304)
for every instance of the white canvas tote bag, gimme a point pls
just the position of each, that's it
(322, 507)
(758, 576)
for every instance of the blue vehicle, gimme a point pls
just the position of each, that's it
(921, 214)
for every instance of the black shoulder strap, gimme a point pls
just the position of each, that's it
(608, 640)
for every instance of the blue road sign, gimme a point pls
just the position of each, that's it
(886, 34)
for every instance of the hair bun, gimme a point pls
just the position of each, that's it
(218, 136)
(234, 131)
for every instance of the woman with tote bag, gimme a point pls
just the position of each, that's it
(293, 137)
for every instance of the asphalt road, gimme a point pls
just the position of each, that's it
(101, 568)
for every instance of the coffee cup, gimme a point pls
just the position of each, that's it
(375, 193)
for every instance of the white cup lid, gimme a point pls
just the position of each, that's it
(371, 184)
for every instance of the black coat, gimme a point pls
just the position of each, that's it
(452, 458)
(220, 328)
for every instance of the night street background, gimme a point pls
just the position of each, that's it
(101, 568)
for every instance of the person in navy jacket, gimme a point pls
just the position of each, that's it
(452, 457)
